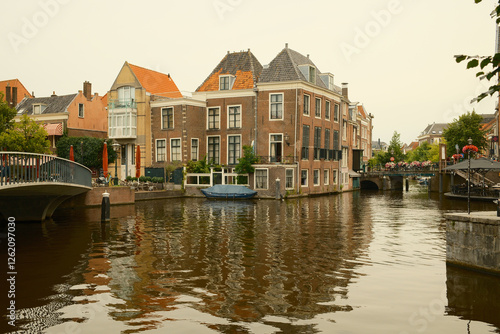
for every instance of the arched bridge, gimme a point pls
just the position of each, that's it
(391, 179)
(33, 185)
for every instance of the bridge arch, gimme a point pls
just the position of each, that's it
(369, 185)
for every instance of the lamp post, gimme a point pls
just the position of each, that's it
(468, 148)
(116, 148)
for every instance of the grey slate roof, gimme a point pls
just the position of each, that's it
(55, 104)
(284, 67)
(435, 129)
(243, 61)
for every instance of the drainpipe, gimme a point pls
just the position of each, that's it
(295, 138)
(256, 91)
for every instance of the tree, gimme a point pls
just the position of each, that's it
(394, 150)
(460, 130)
(25, 136)
(484, 62)
(421, 153)
(7, 115)
(245, 163)
(87, 150)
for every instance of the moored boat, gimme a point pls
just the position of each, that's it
(228, 191)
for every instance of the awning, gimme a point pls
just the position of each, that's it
(353, 173)
(481, 163)
(54, 129)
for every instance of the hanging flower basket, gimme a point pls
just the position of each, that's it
(469, 148)
(457, 156)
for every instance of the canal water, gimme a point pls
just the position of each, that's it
(362, 262)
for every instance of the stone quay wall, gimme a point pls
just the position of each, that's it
(473, 240)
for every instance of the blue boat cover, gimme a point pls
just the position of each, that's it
(228, 190)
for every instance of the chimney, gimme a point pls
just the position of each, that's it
(53, 93)
(14, 97)
(32, 94)
(345, 90)
(87, 90)
(8, 96)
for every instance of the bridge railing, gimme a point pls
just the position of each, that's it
(20, 168)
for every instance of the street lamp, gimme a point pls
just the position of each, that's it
(116, 148)
(467, 149)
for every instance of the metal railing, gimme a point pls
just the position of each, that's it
(286, 160)
(21, 168)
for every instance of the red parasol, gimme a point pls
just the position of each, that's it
(71, 153)
(138, 161)
(105, 160)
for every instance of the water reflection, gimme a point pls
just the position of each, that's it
(201, 266)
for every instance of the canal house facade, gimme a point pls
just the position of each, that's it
(308, 136)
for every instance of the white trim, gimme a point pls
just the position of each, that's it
(269, 141)
(208, 136)
(83, 110)
(207, 122)
(231, 78)
(307, 178)
(224, 94)
(156, 149)
(320, 105)
(330, 109)
(319, 177)
(299, 84)
(45, 117)
(282, 107)
(161, 116)
(255, 178)
(178, 102)
(180, 148)
(303, 104)
(327, 170)
(197, 150)
(241, 115)
(227, 151)
(335, 176)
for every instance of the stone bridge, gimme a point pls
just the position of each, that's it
(33, 185)
(390, 180)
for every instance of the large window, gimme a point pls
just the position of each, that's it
(316, 177)
(345, 156)
(224, 83)
(327, 110)
(167, 118)
(194, 149)
(161, 150)
(234, 117)
(317, 110)
(307, 104)
(335, 176)
(336, 140)
(276, 106)
(304, 177)
(260, 178)
(317, 142)
(175, 149)
(336, 113)
(275, 147)
(233, 149)
(126, 95)
(213, 118)
(305, 142)
(80, 110)
(326, 177)
(344, 130)
(213, 150)
(289, 178)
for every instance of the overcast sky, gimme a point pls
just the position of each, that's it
(396, 55)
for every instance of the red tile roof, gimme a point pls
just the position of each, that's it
(21, 90)
(156, 83)
(243, 80)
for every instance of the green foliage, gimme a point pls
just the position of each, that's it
(7, 115)
(461, 129)
(492, 62)
(424, 152)
(130, 178)
(395, 148)
(90, 147)
(200, 166)
(25, 136)
(170, 167)
(157, 179)
(245, 163)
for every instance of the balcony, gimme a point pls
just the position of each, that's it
(122, 119)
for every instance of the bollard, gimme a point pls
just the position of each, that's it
(498, 207)
(278, 189)
(105, 207)
(407, 184)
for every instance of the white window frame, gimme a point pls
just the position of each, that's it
(156, 149)
(267, 178)
(208, 158)
(328, 110)
(293, 177)
(162, 117)
(227, 154)
(230, 81)
(229, 119)
(282, 106)
(318, 182)
(307, 177)
(197, 149)
(81, 107)
(326, 177)
(208, 118)
(346, 178)
(336, 112)
(345, 157)
(171, 149)
(282, 141)
(335, 176)
(309, 105)
(344, 130)
(315, 107)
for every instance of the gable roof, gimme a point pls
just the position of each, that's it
(22, 92)
(55, 104)
(434, 128)
(154, 82)
(243, 65)
(285, 67)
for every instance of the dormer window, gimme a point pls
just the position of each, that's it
(226, 82)
(309, 72)
(38, 108)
